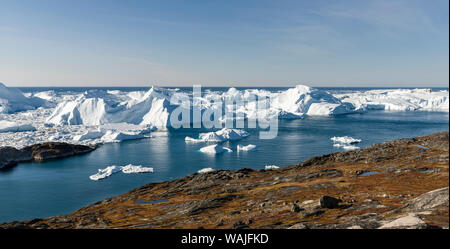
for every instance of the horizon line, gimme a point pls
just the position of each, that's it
(231, 85)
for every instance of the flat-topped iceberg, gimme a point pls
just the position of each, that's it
(215, 149)
(271, 167)
(398, 100)
(127, 169)
(8, 126)
(246, 147)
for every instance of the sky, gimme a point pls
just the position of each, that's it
(402, 43)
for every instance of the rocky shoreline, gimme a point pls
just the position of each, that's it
(10, 156)
(396, 184)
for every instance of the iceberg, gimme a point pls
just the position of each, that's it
(128, 169)
(8, 126)
(106, 172)
(310, 101)
(102, 116)
(13, 100)
(271, 167)
(116, 136)
(89, 135)
(205, 170)
(345, 140)
(215, 149)
(247, 147)
(346, 146)
(96, 107)
(398, 100)
(222, 135)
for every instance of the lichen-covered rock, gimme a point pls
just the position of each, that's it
(406, 222)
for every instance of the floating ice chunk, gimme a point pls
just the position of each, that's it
(193, 140)
(271, 167)
(345, 140)
(205, 170)
(8, 126)
(89, 135)
(215, 149)
(247, 147)
(232, 134)
(346, 146)
(106, 172)
(211, 137)
(222, 135)
(128, 169)
(113, 136)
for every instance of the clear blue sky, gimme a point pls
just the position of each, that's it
(223, 43)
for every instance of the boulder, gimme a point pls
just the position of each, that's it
(407, 222)
(428, 200)
(329, 202)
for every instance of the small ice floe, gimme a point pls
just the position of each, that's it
(215, 149)
(193, 140)
(205, 170)
(346, 147)
(246, 147)
(271, 167)
(345, 140)
(128, 169)
(106, 172)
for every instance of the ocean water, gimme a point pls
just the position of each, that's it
(38, 190)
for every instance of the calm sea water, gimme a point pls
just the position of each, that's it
(59, 187)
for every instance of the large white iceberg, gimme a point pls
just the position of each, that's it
(398, 100)
(96, 107)
(311, 101)
(13, 100)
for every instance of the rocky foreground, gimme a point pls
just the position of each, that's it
(10, 156)
(397, 184)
